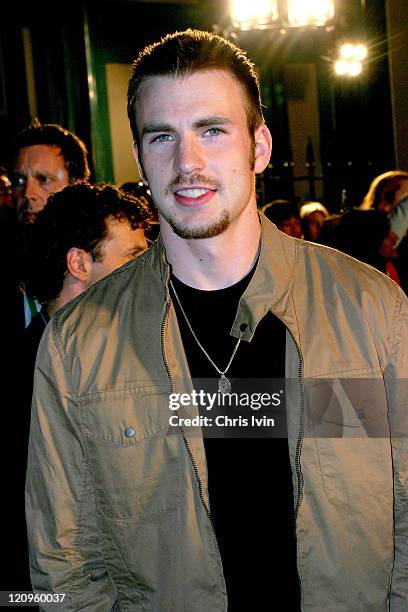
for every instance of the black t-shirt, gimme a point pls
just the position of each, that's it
(250, 480)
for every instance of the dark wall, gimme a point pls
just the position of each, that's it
(58, 52)
(14, 104)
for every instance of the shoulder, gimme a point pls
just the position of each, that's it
(95, 309)
(101, 291)
(353, 290)
(338, 268)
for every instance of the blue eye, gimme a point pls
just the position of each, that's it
(213, 132)
(162, 138)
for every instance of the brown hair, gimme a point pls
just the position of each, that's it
(181, 54)
(75, 217)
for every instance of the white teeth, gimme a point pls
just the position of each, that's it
(192, 193)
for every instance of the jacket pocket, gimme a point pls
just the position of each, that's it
(134, 461)
(348, 420)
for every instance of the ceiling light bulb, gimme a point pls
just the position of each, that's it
(253, 12)
(360, 52)
(310, 12)
(347, 51)
(355, 67)
(341, 67)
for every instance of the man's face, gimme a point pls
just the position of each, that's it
(121, 245)
(292, 227)
(196, 151)
(315, 221)
(39, 171)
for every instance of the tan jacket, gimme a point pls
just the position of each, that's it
(117, 509)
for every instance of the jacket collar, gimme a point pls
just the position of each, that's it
(156, 256)
(269, 286)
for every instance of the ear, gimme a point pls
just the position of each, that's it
(79, 264)
(263, 148)
(136, 153)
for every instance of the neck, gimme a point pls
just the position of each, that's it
(69, 291)
(218, 262)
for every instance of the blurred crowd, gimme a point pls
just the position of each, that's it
(374, 231)
(60, 233)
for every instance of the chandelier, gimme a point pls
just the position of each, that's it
(267, 14)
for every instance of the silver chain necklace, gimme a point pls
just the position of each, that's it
(224, 385)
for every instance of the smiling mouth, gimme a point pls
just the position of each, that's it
(192, 193)
(192, 197)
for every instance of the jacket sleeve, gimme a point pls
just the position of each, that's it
(396, 376)
(64, 546)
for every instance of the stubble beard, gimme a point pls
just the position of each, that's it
(201, 232)
(23, 216)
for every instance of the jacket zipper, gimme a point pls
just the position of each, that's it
(301, 430)
(183, 433)
(299, 477)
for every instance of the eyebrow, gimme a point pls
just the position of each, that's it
(154, 128)
(210, 121)
(46, 173)
(36, 173)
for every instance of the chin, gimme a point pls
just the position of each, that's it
(26, 219)
(201, 232)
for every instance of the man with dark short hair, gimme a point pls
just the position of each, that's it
(46, 158)
(128, 511)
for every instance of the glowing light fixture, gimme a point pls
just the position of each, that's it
(347, 51)
(351, 59)
(248, 14)
(310, 12)
(355, 68)
(360, 52)
(263, 14)
(341, 67)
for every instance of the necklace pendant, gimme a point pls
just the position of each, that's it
(224, 385)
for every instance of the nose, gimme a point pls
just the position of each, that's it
(189, 157)
(32, 190)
